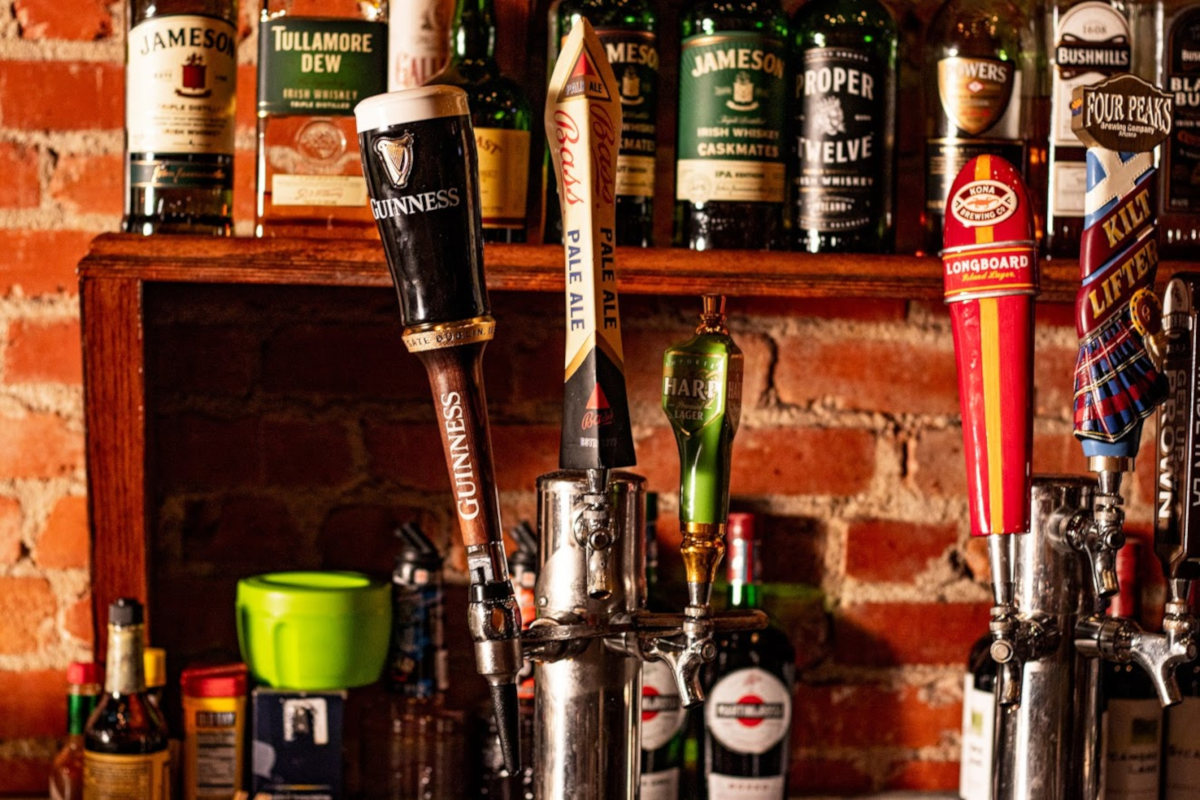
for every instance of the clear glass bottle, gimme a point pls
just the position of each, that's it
(731, 153)
(979, 715)
(316, 61)
(500, 116)
(844, 57)
(180, 94)
(125, 740)
(66, 771)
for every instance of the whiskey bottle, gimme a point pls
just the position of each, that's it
(628, 31)
(663, 714)
(844, 126)
(730, 188)
(1166, 38)
(980, 78)
(418, 41)
(748, 707)
(500, 116)
(66, 771)
(1089, 41)
(316, 61)
(125, 740)
(978, 723)
(180, 90)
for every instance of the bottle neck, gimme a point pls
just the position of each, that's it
(744, 595)
(124, 670)
(79, 707)
(743, 570)
(473, 37)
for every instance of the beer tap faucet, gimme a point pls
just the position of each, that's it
(990, 270)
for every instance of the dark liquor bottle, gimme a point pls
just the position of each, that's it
(730, 182)
(315, 62)
(500, 116)
(1089, 41)
(663, 714)
(628, 31)
(180, 90)
(844, 126)
(980, 78)
(1132, 719)
(125, 740)
(66, 772)
(1166, 39)
(1181, 747)
(748, 706)
(978, 723)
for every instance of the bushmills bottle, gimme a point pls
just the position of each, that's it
(180, 92)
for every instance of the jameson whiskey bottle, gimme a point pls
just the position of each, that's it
(627, 29)
(66, 772)
(844, 126)
(1166, 37)
(663, 714)
(980, 63)
(180, 89)
(1089, 41)
(418, 41)
(501, 118)
(125, 740)
(748, 710)
(316, 61)
(978, 723)
(730, 157)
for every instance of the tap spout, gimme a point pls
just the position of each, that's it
(1122, 640)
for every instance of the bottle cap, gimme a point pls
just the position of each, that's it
(220, 680)
(743, 563)
(125, 611)
(82, 673)
(740, 525)
(154, 663)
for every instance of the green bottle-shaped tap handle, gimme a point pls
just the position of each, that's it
(702, 398)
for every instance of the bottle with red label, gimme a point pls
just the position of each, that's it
(748, 702)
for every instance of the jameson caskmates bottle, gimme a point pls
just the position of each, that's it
(844, 126)
(628, 31)
(731, 152)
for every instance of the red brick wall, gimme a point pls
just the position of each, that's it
(291, 430)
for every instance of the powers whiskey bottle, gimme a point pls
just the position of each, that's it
(748, 706)
(844, 126)
(180, 89)
(628, 31)
(1089, 41)
(980, 69)
(125, 741)
(500, 116)
(316, 61)
(730, 180)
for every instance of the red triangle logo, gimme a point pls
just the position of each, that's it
(597, 402)
(583, 66)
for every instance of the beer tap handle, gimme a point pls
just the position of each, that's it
(420, 143)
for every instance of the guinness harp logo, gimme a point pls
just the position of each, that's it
(397, 158)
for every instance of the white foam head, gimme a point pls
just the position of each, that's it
(410, 105)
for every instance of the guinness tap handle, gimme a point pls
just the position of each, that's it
(419, 158)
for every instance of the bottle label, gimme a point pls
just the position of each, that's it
(169, 173)
(1132, 738)
(180, 85)
(734, 786)
(317, 67)
(976, 95)
(749, 711)
(1181, 156)
(217, 759)
(975, 769)
(108, 776)
(841, 105)
(1183, 751)
(634, 59)
(662, 710)
(659, 785)
(732, 97)
(318, 190)
(418, 41)
(503, 176)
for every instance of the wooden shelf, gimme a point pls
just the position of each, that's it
(360, 262)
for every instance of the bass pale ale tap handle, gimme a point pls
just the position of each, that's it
(418, 154)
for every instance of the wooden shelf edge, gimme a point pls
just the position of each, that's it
(670, 271)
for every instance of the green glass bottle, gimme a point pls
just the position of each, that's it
(628, 31)
(500, 115)
(731, 152)
(702, 398)
(844, 126)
